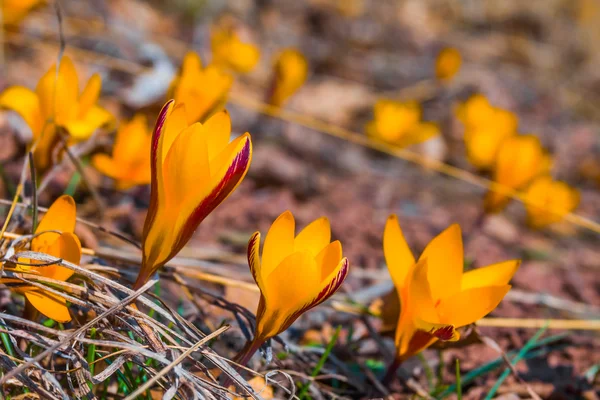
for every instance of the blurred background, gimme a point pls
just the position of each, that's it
(538, 59)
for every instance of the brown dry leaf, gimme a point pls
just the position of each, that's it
(260, 386)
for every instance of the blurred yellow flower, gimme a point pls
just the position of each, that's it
(294, 275)
(486, 127)
(399, 124)
(194, 169)
(55, 103)
(203, 90)
(548, 201)
(436, 296)
(55, 237)
(520, 159)
(290, 72)
(130, 161)
(230, 52)
(447, 64)
(14, 11)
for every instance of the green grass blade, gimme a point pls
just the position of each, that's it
(321, 363)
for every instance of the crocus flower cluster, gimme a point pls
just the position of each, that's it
(54, 236)
(517, 162)
(130, 162)
(57, 104)
(399, 124)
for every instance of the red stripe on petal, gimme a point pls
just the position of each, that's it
(444, 333)
(235, 173)
(254, 257)
(156, 134)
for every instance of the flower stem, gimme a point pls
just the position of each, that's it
(391, 371)
(244, 356)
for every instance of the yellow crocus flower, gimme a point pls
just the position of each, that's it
(130, 161)
(486, 127)
(295, 274)
(436, 296)
(548, 201)
(290, 72)
(447, 64)
(399, 124)
(57, 103)
(54, 236)
(14, 11)
(230, 52)
(204, 90)
(193, 169)
(520, 159)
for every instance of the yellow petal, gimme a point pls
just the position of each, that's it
(329, 258)
(293, 284)
(398, 256)
(191, 63)
(279, 242)
(107, 166)
(217, 131)
(314, 237)
(186, 166)
(84, 127)
(548, 201)
(496, 274)
(49, 304)
(25, 102)
(447, 64)
(520, 159)
(90, 95)
(132, 140)
(444, 255)
(61, 216)
(67, 247)
(58, 93)
(470, 305)
(421, 302)
(175, 123)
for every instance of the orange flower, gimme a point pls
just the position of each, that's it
(295, 274)
(548, 201)
(54, 236)
(204, 90)
(290, 72)
(14, 11)
(436, 296)
(130, 161)
(57, 102)
(447, 64)
(230, 52)
(520, 159)
(194, 168)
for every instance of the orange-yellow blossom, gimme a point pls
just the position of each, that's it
(447, 64)
(520, 159)
(290, 72)
(486, 127)
(14, 11)
(130, 162)
(436, 296)
(56, 102)
(193, 168)
(203, 90)
(548, 201)
(230, 52)
(295, 274)
(399, 124)
(54, 236)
